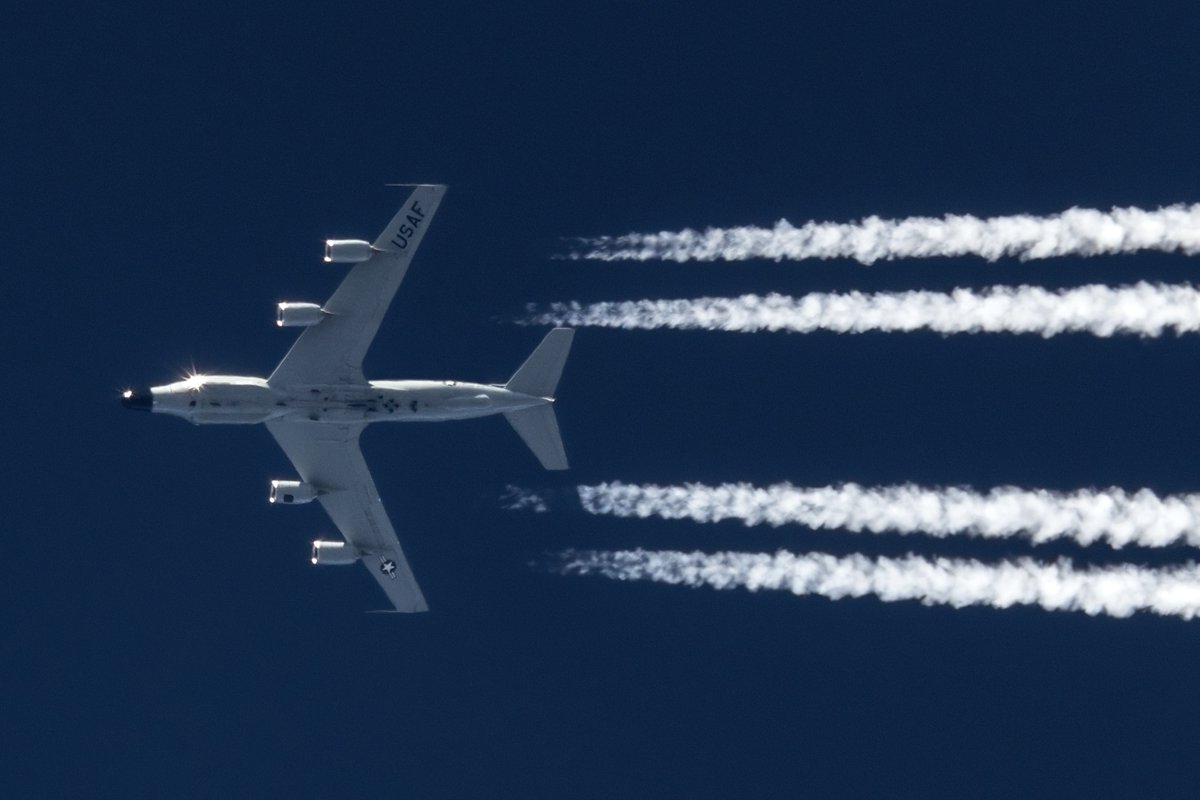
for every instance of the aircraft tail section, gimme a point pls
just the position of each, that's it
(538, 377)
(538, 428)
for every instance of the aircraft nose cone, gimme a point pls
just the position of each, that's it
(139, 401)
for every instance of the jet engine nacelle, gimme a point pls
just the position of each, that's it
(298, 315)
(291, 492)
(347, 251)
(333, 554)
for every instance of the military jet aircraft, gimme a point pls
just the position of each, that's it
(317, 401)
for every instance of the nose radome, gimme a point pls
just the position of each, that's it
(137, 400)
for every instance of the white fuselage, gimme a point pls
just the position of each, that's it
(231, 400)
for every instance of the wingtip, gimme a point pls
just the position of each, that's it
(421, 610)
(418, 185)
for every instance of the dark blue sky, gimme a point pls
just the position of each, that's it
(171, 172)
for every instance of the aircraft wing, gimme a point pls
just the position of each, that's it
(332, 352)
(328, 456)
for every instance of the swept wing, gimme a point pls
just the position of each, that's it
(328, 456)
(332, 352)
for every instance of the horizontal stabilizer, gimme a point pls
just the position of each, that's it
(539, 429)
(538, 376)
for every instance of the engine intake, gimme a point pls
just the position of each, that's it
(347, 251)
(333, 554)
(298, 315)
(292, 492)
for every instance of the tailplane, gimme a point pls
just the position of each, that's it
(538, 377)
(539, 429)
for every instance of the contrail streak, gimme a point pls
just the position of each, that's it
(1144, 309)
(1114, 591)
(1088, 516)
(517, 499)
(1077, 231)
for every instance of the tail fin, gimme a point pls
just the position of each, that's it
(538, 377)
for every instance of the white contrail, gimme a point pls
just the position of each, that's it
(517, 499)
(1116, 591)
(1111, 515)
(1077, 231)
(1144, 309)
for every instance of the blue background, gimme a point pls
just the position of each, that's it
(170, 173)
